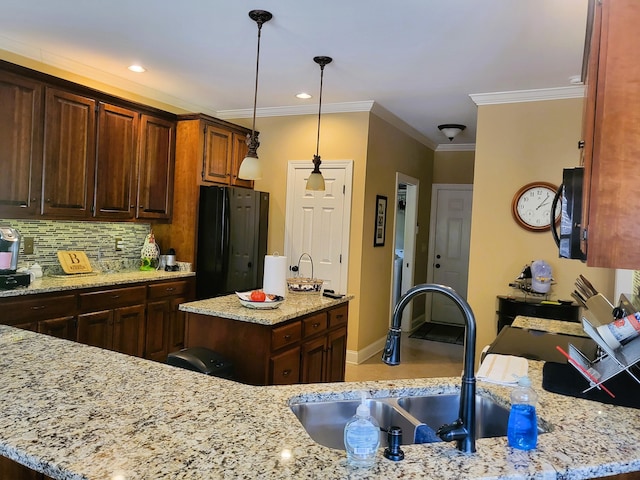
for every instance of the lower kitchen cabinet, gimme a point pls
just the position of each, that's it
(307, 349)
(65, 327)
(165, 323)
(141, 320)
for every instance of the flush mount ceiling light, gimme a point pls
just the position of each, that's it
(451, 129)
(250, 166)
(316, 180)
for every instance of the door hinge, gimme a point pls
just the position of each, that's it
(340, 261)
(344, 189)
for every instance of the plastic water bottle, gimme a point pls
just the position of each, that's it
(522, 429)
(362, 437)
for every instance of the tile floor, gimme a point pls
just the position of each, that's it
(418, 359)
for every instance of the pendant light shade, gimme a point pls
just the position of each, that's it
(316, 180)
(250, 167)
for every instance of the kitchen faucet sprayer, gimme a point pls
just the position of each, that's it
(463, 430)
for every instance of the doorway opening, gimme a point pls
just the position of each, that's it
(404, 243)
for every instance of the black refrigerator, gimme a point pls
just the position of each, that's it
(232, 240)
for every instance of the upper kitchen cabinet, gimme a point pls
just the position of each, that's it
(21, 140)
(156, 167)
(208, 152)
(612, 137)
(116, 162)
(223, 146)
(134, 165)
(69, 154)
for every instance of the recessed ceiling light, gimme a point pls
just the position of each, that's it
(137, 68)
(303, 96)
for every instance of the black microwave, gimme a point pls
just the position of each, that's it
(570, 194)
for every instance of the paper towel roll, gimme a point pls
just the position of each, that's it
(275, 275)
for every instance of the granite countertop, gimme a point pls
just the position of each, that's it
(293, 306)
(48, 284)
(78, 412)
(546, 325)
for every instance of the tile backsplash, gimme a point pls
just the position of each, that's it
(96, 239)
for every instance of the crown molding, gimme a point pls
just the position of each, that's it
(456, 147)
(312, 109)
(559, 93)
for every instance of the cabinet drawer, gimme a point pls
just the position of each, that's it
(314, 324)
(285, 335)
(285, 368)
(110, 299)
(161, 290)
(338, 316)
(35, 308)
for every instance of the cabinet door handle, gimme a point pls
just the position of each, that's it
(132, 206)
(316, 325)
(38, 307)
(115, 296)
(286, 373)
(170, 289)
(339, 316)
(287, 337)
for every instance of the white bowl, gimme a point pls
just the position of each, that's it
(268, 304)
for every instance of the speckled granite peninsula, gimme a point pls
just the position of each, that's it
(79, 412)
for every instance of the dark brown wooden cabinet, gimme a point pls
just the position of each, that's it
(113, 319)
(612, 138)
(308, 349)
(156, 167)
(165, 323)
(69, 154)
(72, 152)
(21, 140)
(141, 320)
(208, 151)
(224, 150)
(116, 162)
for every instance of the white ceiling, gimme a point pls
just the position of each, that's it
(418, 60)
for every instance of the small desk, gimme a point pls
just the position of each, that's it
(510, 307)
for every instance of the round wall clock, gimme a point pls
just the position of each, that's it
(531, 206)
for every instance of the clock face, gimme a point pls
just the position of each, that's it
(532, 206)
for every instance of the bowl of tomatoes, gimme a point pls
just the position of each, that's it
(259, 300)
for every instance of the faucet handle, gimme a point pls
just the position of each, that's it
(452, 431)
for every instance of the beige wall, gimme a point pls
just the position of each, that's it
(453, 167)
(517, 144)
(390, 151)
(378, 150)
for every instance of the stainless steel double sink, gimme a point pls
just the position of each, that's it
(418, 416)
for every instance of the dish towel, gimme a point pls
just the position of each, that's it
(502, 369)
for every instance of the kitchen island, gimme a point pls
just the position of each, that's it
(78, 412)
(303, 340)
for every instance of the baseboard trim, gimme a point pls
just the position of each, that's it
(356, 357)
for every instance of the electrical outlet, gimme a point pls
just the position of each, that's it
(118, 245)
(28, 245)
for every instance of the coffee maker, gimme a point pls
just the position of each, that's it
(9, 250)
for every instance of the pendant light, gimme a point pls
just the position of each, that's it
(250, 166)
(316, 180)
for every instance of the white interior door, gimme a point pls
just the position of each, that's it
(317, 223)
(449, 255)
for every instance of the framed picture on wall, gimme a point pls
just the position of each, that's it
(381, 221)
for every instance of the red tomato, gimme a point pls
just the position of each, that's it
(258, 296)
